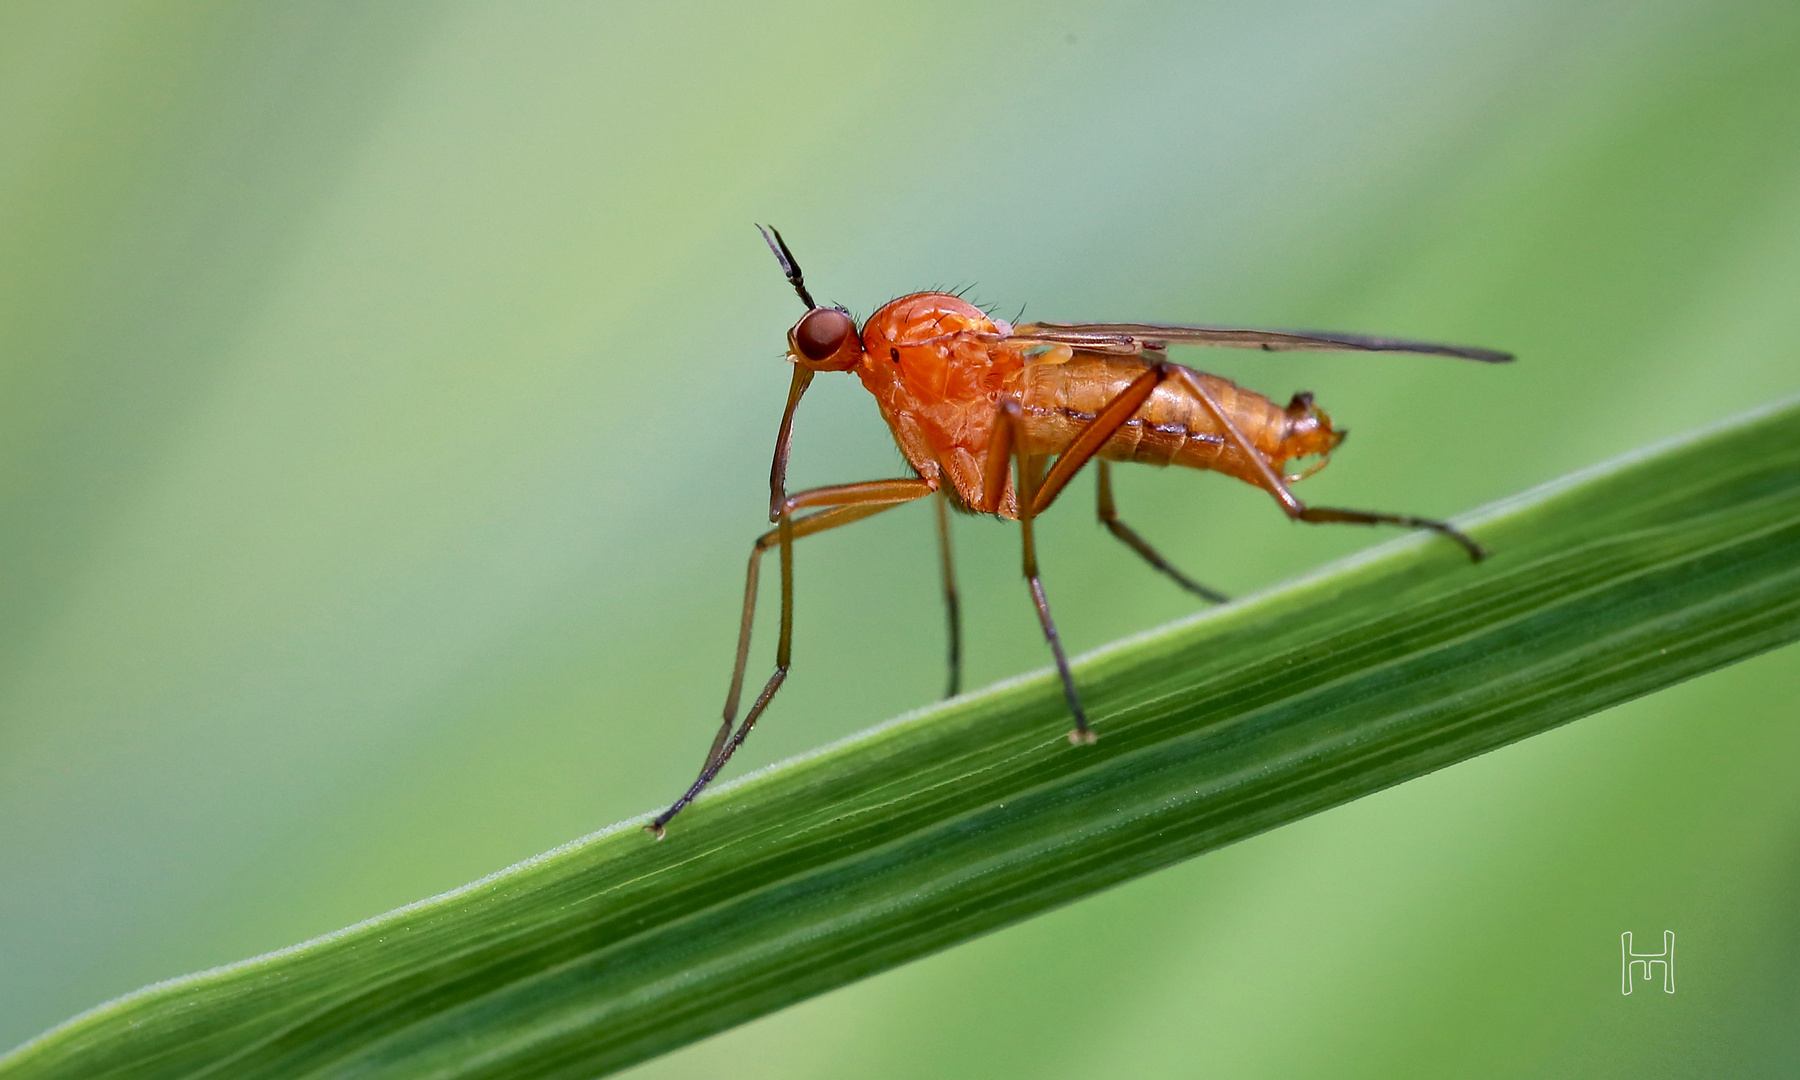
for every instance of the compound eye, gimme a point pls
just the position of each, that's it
(822, 333)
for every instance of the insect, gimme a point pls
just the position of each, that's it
(997, 419)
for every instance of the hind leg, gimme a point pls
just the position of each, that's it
(1109, 517)
(1298, 510)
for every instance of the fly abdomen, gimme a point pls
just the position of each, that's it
(1173, 427)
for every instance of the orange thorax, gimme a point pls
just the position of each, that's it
(932, 362)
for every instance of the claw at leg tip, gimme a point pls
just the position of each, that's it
(654, 830)
(1081, 737)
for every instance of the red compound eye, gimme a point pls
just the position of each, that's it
(822, 332)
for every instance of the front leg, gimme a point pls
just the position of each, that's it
(784, 440)
(836, 505)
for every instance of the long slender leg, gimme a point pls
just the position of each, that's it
(1322, 514)
(837, 505)
(805, 526)
(1110, 518)
(1034, 498)
(784, 441)
(952, 608)
(1009, 440)
(1298, 510)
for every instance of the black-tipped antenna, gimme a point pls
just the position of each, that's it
(788, 265)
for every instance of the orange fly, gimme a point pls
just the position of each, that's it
(980, 408)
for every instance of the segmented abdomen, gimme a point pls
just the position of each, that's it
(1172, 428)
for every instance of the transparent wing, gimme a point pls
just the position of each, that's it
(1133, 338)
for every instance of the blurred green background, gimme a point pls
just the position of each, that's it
(386, 394)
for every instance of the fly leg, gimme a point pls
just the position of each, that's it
(952, 608)
(1319, 514)
(1034, 497)
(784, 441)
(1008, 443)
(836, 505)
(1298, 510)
(1109, 517)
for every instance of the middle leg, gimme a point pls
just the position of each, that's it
(1033, 495)
(1008, 442)
(952, 607)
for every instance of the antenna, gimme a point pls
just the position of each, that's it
(788, 265)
